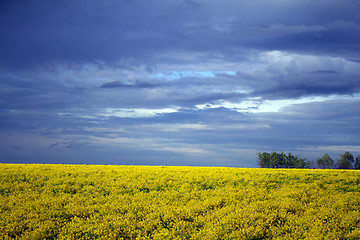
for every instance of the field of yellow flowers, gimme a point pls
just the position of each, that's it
(154, 202)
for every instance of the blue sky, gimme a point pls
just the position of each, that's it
(181, 82)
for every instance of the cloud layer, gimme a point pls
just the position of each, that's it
(179, 82)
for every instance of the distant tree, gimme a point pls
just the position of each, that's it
(268, 160)
(281, 160)
(357, 162)
(309, 163)
(302, 163)
(290, 161)
(296, 162)
(275, 160)
(264, 160)
(325, 161)
(345, 161)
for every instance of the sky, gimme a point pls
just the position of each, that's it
(180, 82)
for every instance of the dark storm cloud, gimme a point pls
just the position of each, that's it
(133, 32)
(333, 38)
(37, 93)
(65, 144)
(15, 148)
(324, 72)
(176, 82)
(46, 32)
(327, 123)
(310, 84)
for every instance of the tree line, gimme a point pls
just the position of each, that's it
(282, 160)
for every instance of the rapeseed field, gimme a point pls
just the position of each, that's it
(154, 202)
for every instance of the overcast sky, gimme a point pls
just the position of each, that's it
(180, 82)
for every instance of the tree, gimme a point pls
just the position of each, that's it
(264, 160)
(325, 161)
(273, 160)
(357, 162)
(281, 160)
(268, 160)
(345, 161)
(296, 162)
(290, 161)
(302, 163)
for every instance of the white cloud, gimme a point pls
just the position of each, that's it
(256, 105)
(135, 112)
(172, 75)
(175, 127)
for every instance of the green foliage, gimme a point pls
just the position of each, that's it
(345, 161)
(325, 161)
(357, 162)
(281, 160)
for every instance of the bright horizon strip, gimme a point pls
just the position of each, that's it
(172, 75)
(256, 105)
(136, 112)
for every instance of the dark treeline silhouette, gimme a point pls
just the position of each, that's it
(281, 160)
(345, 161)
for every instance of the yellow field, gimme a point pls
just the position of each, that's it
(144, 202)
